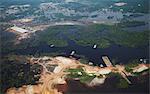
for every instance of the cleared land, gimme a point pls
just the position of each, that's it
(72, 69)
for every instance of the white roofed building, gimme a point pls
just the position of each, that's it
(18, 29)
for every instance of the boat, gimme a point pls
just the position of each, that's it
(101, 65)
(90, 63)
(95, 46)
(51, 45)
(72, 52)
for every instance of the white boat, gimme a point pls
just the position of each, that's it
(141, 59)
(144, 61)
(72, 53)
(90, 63)
(101, 65)
(139, 5)
(51, 45)
(95, 46)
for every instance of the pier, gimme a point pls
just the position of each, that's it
(107, 61)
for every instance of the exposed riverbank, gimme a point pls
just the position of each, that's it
(55, 71)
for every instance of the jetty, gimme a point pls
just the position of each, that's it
(107, 61)
(120, 69)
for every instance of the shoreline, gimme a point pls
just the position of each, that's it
(65, 66)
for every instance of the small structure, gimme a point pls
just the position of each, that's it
(107, 61)
(119, 4)
(57, 69)
(18, 29)
(79, 73)
(26, 20)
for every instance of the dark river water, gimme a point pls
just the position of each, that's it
(119, 53)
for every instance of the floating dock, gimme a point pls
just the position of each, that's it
(107, 61)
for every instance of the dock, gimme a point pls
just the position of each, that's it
(107, 61)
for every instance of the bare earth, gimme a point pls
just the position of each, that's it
(50, 78)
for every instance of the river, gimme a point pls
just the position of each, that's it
(120, 53)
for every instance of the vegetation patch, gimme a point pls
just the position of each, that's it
(129, 67)
(139, 73)
(80, 74)
(15, 73)
(101, 35)
(122, 84)
(85, 78)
